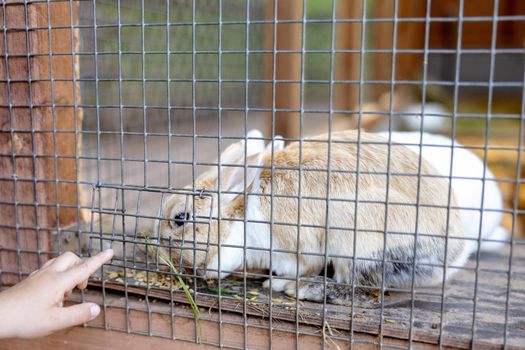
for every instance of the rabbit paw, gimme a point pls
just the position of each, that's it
(313, 289)
(278, 285)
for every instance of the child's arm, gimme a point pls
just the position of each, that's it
(33, 308)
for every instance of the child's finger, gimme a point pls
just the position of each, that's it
(82, 285)
(47, 263)
(81, 272)
(65, 261)
(74, 315)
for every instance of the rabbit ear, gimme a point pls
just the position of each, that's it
(232, 178)
(235, 154)
(255, 143)
(232, 152)
(278, 144)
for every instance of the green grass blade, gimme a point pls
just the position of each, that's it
(166, 259)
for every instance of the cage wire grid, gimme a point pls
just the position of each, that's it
(127, 192)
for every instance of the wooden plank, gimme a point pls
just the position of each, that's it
(32, 164)
(110, 330)
(97, 339)
(410, 36)
(347, 65)
(287, 67)
(478, 34)
(382, 35)
(515, 35)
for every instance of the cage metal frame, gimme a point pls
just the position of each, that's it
(330, 111)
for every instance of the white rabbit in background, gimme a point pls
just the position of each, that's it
(435, 117)
(272, 193)
(467, 183)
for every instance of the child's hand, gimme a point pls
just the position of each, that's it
(33, 308)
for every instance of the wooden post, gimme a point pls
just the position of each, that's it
(287, 65)
(38, 140)
(348, 37)
(410, 35)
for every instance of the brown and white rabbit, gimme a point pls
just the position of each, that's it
(474, 185)
(272, 191)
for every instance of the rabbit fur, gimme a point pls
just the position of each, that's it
(472, 183)
(272, 187)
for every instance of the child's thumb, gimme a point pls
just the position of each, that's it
(77, 314)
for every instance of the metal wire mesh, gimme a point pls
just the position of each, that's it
(145, 115)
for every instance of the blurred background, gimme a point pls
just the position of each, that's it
(169, 77)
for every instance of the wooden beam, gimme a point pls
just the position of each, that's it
(226, 329)
(347, 65)
(38, 169)
(97, 339)
(287, 65)
(410, 35)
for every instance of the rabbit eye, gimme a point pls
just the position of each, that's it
(180, 218)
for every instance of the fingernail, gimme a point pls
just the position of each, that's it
(94, 310)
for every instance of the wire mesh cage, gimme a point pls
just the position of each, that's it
(272, 173)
